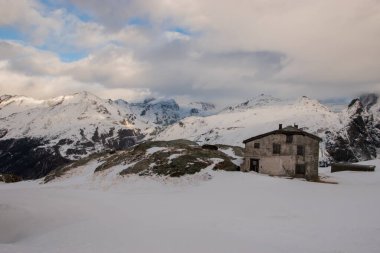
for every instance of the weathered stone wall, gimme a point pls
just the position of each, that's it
(284, 163)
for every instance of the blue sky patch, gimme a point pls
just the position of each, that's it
(66, 55)
(70, 8)
(181, 30)
(10, 33)
(71, 56)
(138, 21)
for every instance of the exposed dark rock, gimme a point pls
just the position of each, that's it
(227, 165)
(102, 109)
(76, 151)
(65, 142)
(95, 137)
(81, 131)
(28, 158)
(210, 147)
(33, 158)
(9, 178)
(194, 111)
(3, 132)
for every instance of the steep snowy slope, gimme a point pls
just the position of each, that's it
(42, 134)
(37, 136)
(256, 116)
(61, 117)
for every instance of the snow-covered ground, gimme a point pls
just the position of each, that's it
(231, 212)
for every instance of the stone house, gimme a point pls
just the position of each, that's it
(287, 151)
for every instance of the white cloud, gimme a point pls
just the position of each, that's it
(328, 44)
(171, 36)
(111, 65)
(28, 16)
(26, 70)
(231, 49)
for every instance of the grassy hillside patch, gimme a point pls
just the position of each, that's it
(174, 158)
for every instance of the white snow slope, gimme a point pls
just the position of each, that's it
(78, 116)
(232, 212)
(62, 117)
(258, 115)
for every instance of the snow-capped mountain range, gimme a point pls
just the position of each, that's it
(79, 116)
(36, 136)
(351, 134)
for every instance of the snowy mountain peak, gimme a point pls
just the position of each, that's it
(258, 101)
(307, 100)
(314, 104)
(83, 96)
(355, 107)
(369, 100)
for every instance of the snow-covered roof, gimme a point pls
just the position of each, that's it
(289, 130)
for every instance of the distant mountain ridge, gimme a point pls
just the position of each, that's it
(349, 135)
(74, 126)
(37, 136)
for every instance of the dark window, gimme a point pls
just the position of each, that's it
(300, 150)
(300, 169)
(276, 148)
(289, 138)
(256, 145)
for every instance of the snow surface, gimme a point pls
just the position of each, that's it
(206, 212)
(153, 150)
(237, 160)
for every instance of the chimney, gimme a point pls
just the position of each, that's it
(296, 126)
(280, 126)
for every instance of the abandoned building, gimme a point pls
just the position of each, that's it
(288, 151)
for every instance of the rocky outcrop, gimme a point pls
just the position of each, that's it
(28, 158)
(9, 178)
(156, 158)
(32, 158)
(358, 139)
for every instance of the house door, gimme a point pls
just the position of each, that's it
(254, 165)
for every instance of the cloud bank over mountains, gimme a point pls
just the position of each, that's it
(190, 48)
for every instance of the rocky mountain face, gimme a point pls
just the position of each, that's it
(37, 136)
(359, 138)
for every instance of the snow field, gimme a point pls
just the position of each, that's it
(230, 212)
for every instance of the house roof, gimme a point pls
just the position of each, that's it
(289, 130)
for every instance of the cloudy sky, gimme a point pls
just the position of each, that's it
(221, 51)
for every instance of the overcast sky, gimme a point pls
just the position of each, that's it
(220, 51)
